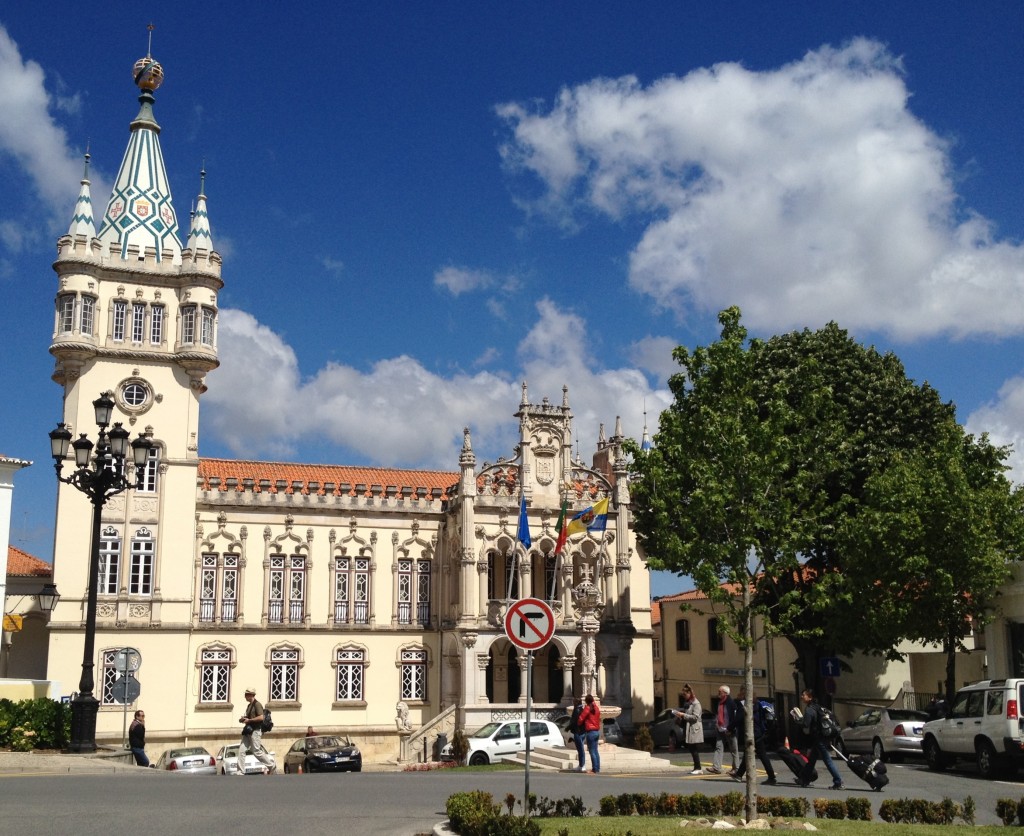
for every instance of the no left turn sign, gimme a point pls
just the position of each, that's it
(529, 623)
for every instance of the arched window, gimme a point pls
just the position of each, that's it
(215, 663)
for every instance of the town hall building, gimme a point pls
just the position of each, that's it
(359, 600)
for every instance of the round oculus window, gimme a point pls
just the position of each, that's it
(135, 395)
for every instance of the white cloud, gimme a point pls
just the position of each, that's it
(803, 194)
(459, 280)
(333, 265)
(30, 134)
(1003, 420)
(398, 412)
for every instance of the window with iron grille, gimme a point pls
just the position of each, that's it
(296, 589)
(208, 588)
(120, 314)
(275, 598)
(108, 676)
(413, 684)
(110, 561)
(206, 334)
(229, 589)
(156, 324)
(404, 591)
(284, 675)
(150, 471)
(214, 675)
(423, 592)
(65, 313)
(138, 322)
(351, 664)
(88, 315)
(140, 581)
(361, 584)
(188, 324)
(342, 602)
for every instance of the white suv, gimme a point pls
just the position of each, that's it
(984, 722)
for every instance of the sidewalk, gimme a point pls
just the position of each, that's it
(13, 763)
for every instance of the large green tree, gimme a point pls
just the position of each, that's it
(949, 522)
(777, 447)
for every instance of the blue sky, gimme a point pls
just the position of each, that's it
(420, 205)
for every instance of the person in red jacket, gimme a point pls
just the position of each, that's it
(590, 720)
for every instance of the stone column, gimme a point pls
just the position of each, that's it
(482, 661)
(523, 679)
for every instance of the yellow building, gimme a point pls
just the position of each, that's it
(357, 600)
(690, 647)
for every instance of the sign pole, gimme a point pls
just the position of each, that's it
(529, 704)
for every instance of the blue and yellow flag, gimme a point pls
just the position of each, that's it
(594, 518)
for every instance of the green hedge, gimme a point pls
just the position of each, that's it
(34, 724)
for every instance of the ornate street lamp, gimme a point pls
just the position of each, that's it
(100, 481)
(48, 597)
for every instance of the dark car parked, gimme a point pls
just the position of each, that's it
(666, 731)
(323, 753)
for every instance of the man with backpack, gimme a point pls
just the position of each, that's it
(760, 735)
(820, 727)
(252, 735)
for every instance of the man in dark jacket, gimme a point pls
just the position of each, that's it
(137, 738)
(818, 747)
(725, 721)
(760, 735)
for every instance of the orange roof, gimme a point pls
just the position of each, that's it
(655, 613)
(22, 563)
(270, 473)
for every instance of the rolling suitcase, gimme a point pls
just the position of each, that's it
(796, 761)
(869, 770)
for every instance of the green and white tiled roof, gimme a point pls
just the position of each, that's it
(82, 222)
(200, 238)
(141, 212)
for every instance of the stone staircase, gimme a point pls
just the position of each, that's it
(614, 759)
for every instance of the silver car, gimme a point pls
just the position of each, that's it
(190, 760)
(886, 733)
(227, 758)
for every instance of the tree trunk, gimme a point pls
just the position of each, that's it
(748, 700)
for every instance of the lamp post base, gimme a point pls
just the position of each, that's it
(84, 709)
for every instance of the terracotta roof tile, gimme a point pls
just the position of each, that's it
(340, 475)
(23, 564)
(655, 613)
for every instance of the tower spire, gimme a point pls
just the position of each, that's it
(82, 222)
(200, 237)
(140, 215)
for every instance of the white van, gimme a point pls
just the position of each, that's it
(984, 723)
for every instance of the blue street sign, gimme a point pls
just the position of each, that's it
(829, 666)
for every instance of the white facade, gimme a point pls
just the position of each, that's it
(337, 592)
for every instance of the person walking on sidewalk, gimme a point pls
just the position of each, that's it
(760, 733)
(693, 730)
(725, 721)
(590, 719)
(252, 735)
(811, 723)
(137, 738)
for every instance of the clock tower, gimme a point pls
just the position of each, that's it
(136, 316)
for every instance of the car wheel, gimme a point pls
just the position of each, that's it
(358, 768)
(933, 754)
(287, 771)
(478, 759)
(988, 761)
(310, 767)
(878, 751)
